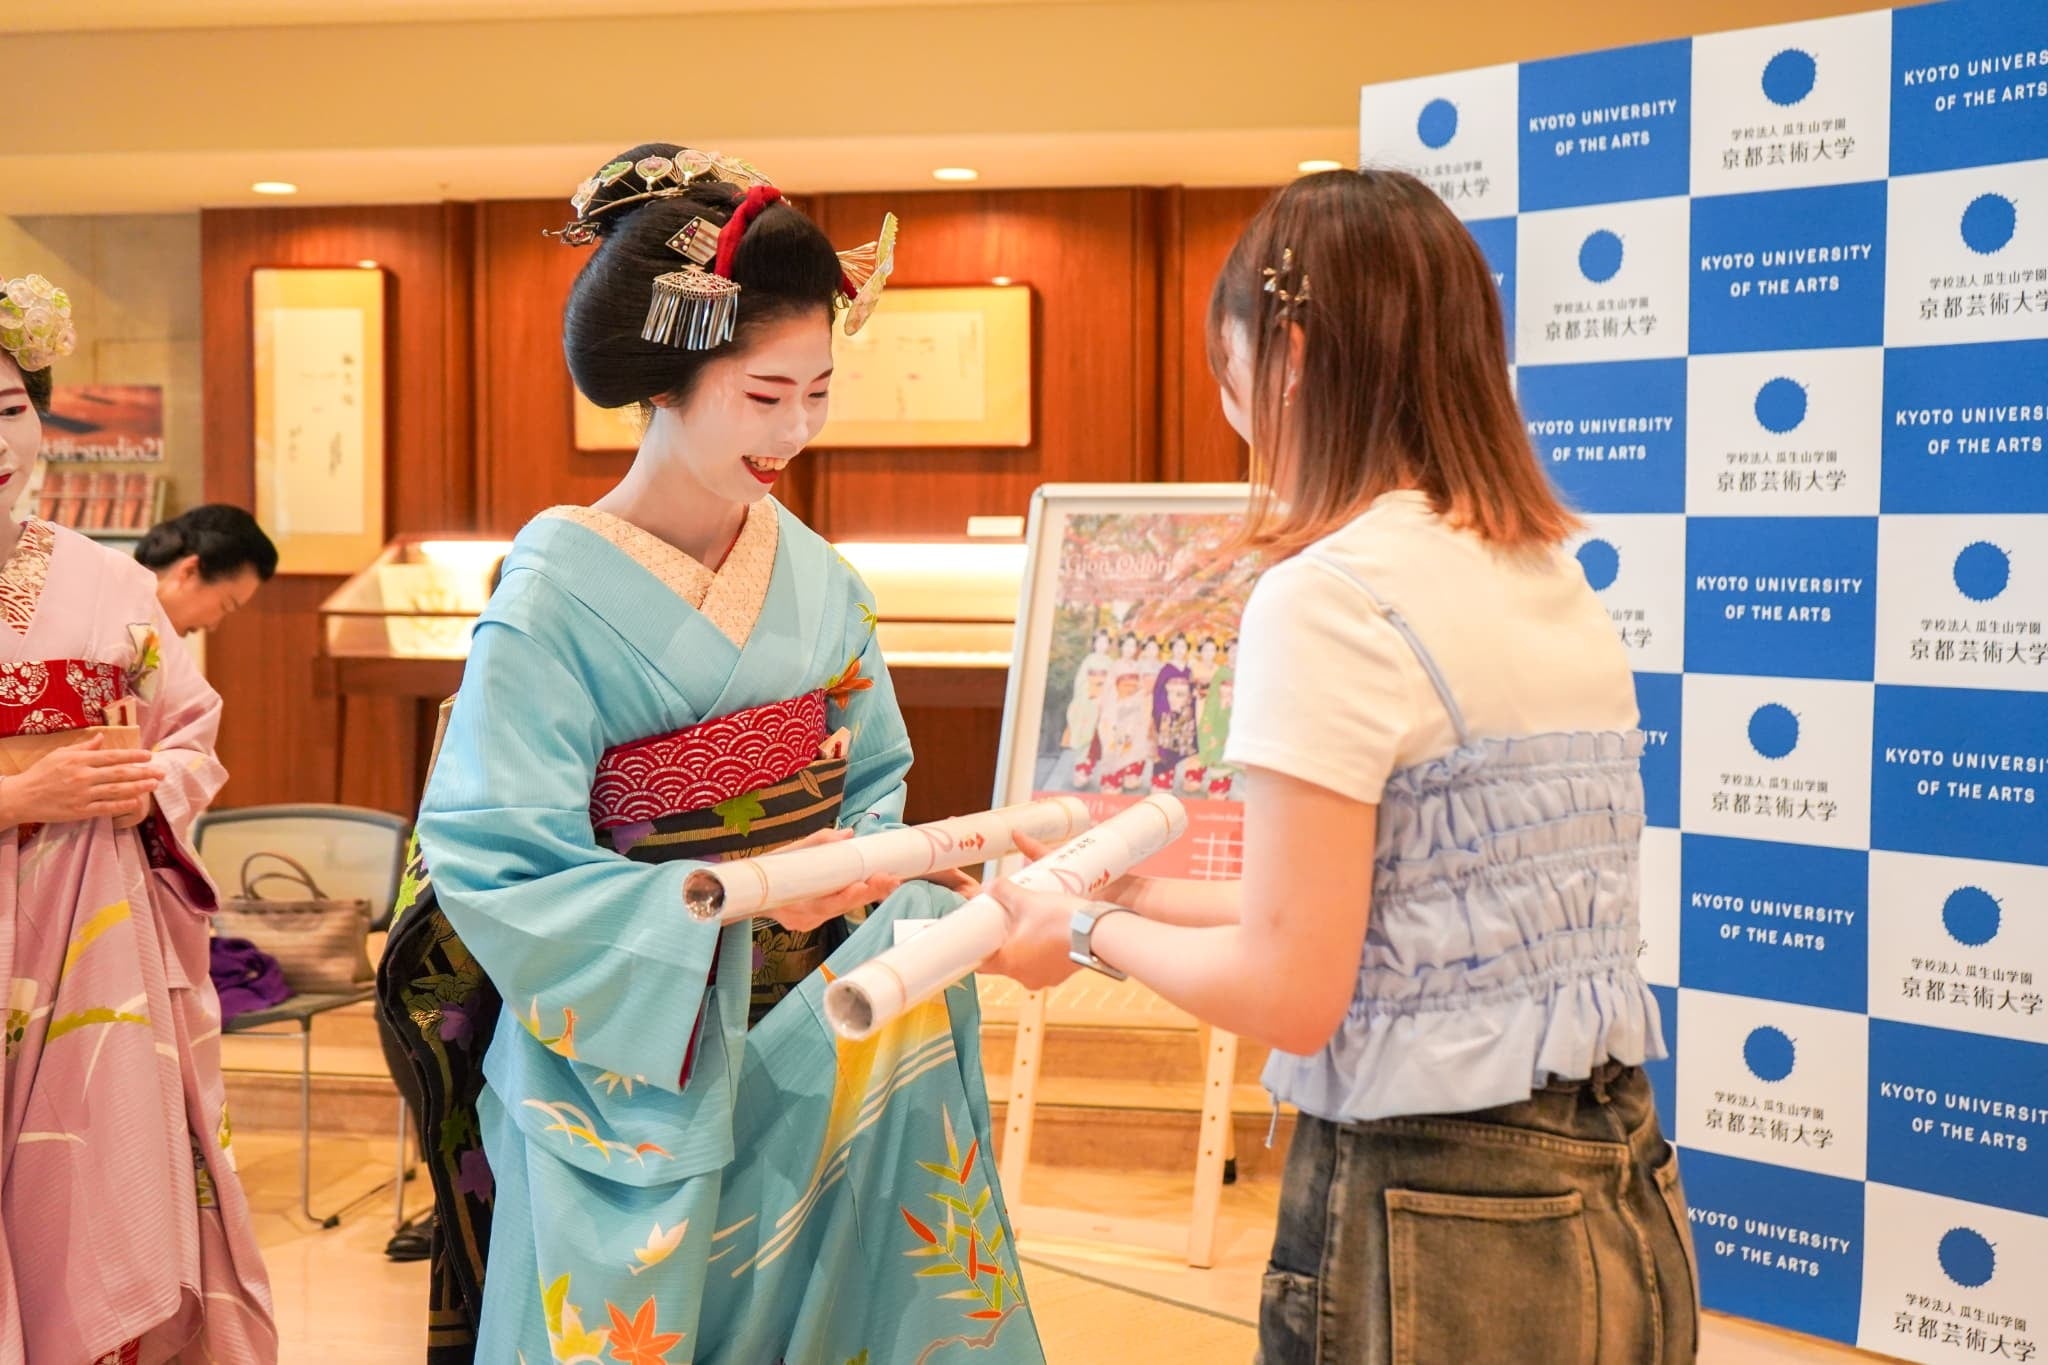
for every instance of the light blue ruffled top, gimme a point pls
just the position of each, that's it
(1501, 948)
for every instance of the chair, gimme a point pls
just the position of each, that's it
(351, 852)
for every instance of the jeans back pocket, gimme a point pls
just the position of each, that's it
(1479, 1278)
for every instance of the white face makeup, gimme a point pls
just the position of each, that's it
(751, 413)
(21, 436)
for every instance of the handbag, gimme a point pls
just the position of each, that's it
(321, 942)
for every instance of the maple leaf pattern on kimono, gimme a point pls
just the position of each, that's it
(849, 681)
(570, 1344)
(635, 1341)
(660, 1246)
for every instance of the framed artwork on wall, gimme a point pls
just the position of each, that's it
(935, 368)
(319, 360)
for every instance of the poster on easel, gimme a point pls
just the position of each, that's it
(319, 390)
(1122, 680)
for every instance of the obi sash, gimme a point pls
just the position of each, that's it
(50, 696)
(744, 784)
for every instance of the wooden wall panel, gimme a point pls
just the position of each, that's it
(527, 459)
(481, 427)
(1091, 258)
(1196, 444)
(278, 734)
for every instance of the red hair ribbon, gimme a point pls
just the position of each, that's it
(758, 198)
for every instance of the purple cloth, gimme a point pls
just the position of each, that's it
(245, 977)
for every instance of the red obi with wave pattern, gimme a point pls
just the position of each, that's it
(49, 696)
(707, 764)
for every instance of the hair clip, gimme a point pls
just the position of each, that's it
(697, 308)
(692, 309)
(1280, 283)
(697, 241)
(864, 273)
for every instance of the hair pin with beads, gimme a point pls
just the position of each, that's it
(1281, 284)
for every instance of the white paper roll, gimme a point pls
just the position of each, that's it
(890, 982)
(730, 892)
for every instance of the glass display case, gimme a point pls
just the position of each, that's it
(947, 611)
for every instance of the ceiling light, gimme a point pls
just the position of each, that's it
(956, 174)
(275, 187)
(1316, 167)
(1000, 281)
(366, 265)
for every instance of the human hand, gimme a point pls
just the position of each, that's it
(956, 879)
(140, 812)
(1035, 952)
(805, 915)
(84, 781)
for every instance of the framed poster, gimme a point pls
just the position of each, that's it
(319, 388)
(111, 423)
(935, 368)
(1121, 682)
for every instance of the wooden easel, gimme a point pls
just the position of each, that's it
(1194, 1240)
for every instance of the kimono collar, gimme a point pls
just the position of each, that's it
(730, 597)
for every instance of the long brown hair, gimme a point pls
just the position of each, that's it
(1403, 378)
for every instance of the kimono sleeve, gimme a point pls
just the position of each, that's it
(181, 724)
(595, 948)
(880, 757)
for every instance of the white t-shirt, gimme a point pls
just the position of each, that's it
(1330, 693)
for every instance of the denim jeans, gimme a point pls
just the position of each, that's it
(1549, 1232)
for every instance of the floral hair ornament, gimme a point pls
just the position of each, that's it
(864, 272)
(1281, 284)
(660, 177)
(35, 322)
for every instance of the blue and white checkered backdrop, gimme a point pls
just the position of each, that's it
(1778, 303)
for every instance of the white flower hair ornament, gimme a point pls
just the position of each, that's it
(35, 322)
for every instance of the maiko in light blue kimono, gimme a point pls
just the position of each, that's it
(668, 1183)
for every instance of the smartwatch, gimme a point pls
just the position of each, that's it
(1081, 938)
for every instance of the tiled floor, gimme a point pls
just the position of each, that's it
(338, 1299)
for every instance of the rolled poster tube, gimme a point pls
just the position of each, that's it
(918, 968)
(731, 892)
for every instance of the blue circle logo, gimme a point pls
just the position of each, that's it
(1773, 731)
(1600, 256)
(1780, 405)
(1971, 916)
(1602, 563)
(1988, 223)
(1438, 123)
(1788, 77)
(1982, 571)
(1769, 1054)
(1968, 1258)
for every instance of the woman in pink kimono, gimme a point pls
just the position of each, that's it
(124, 1236)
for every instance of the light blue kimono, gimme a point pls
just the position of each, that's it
(798, 1199)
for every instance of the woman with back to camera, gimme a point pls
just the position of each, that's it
(209, 561)
(679, 1162)
(1437, 926)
